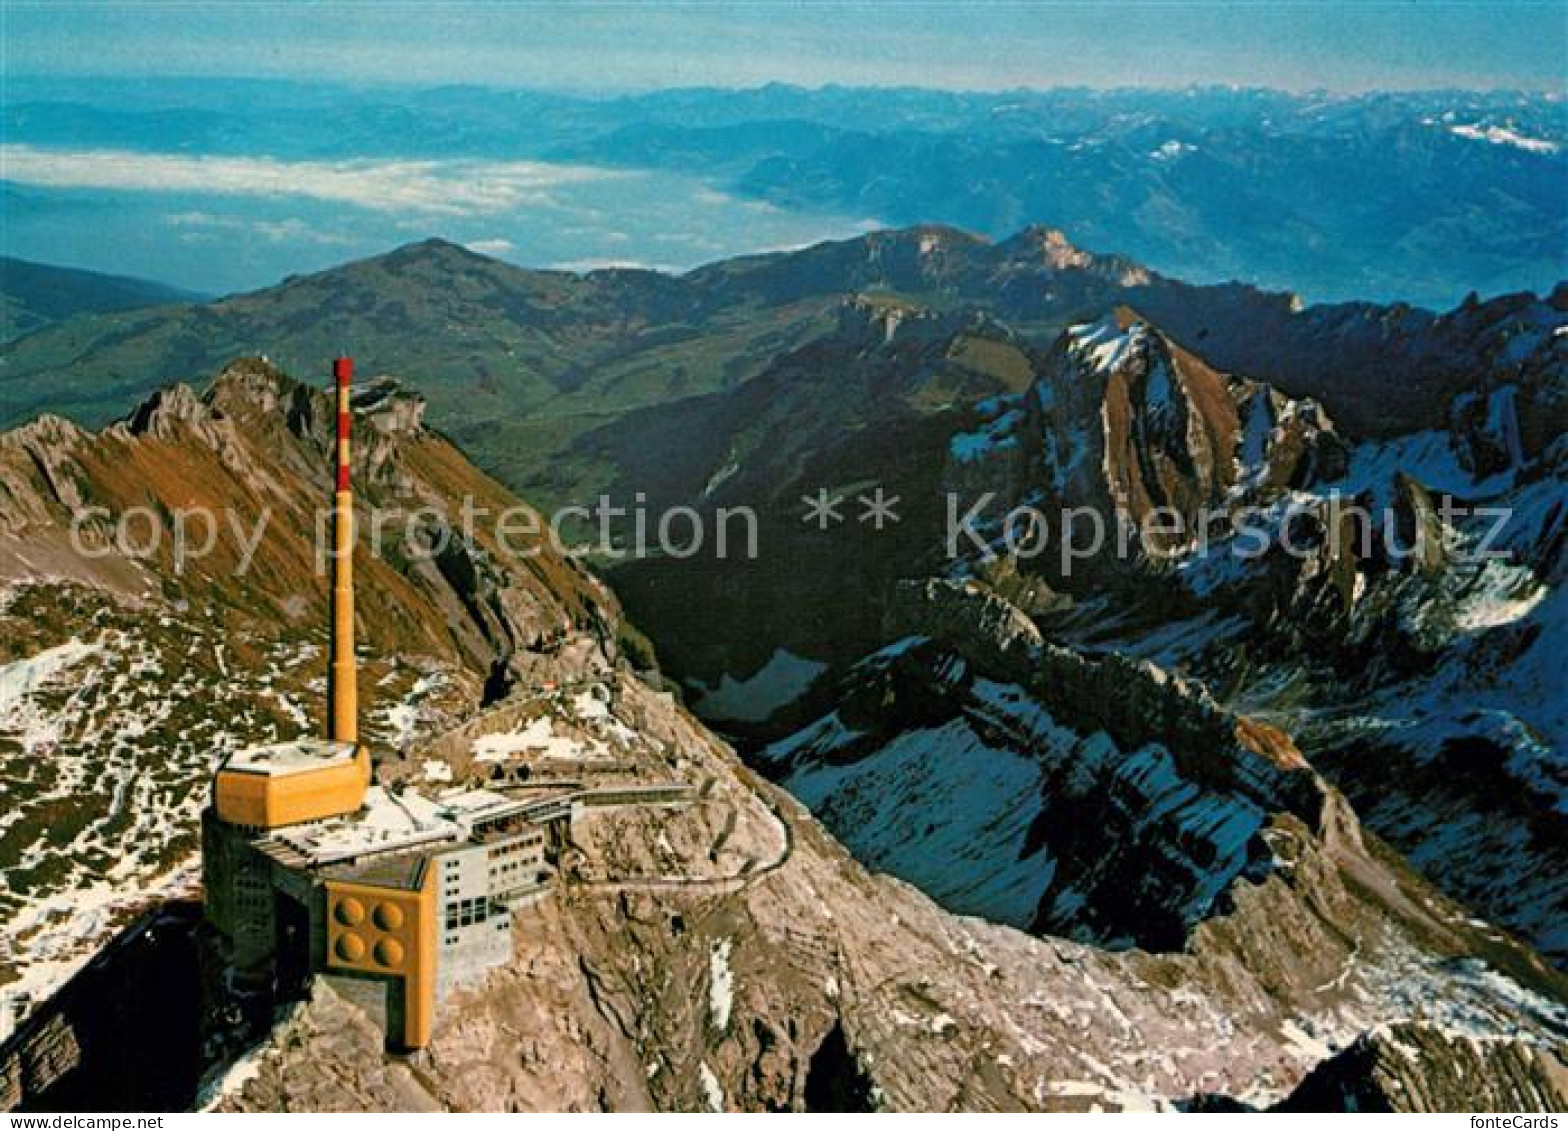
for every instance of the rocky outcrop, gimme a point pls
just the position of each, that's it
(1385, 370)
(1401, 624)
(1134, 701)
(1138, 439)
(1149, 801)
(250, 457)
(880, 322)
(966, 615)
(35, 471)
(1058, 253)
(1285, 444)
(1417, 1067)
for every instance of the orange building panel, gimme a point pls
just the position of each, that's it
(388, 932)
(276, 786)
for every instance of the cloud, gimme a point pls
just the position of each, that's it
(582, 266)
(495, 246)
(437, 188)
(716, 198)
(204, 225)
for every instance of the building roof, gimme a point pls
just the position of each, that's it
(401, 870)
(472, 806)
(299, 755)
(388, 823)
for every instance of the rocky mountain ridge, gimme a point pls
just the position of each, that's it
(823, 985)
(487, 341)
(1413, 667)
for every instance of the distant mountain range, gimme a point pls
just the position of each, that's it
(1414, 196)
(532, 370)
(33, 295)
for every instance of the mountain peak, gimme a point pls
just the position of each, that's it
(1126, 318)
(158, 413)
(929, 237)
(1039, 243)
(249, 384)
(433, 248)
(1053, 244)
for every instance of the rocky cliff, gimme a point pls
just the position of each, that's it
(1416, 1067)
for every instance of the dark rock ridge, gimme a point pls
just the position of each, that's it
(1416, 1067)
(1152, 800)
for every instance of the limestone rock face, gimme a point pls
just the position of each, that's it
(1415, 1067)
(252, 457)
(35, 473)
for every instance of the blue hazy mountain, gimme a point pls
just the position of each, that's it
(33, 295)
(226, 185)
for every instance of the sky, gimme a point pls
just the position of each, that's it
(1339, 45)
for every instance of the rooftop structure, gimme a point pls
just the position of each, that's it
(287, 783)
(299, 755)
(384, 823)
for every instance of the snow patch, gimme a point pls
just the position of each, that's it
(1502, 135)
(538, 737)
(587, 705)
(997, 435)
(1170, 150)
(941, 809)
(1105, 343)
(721, 985)
(21, 678)
(710, 1087)
(1501, 602)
